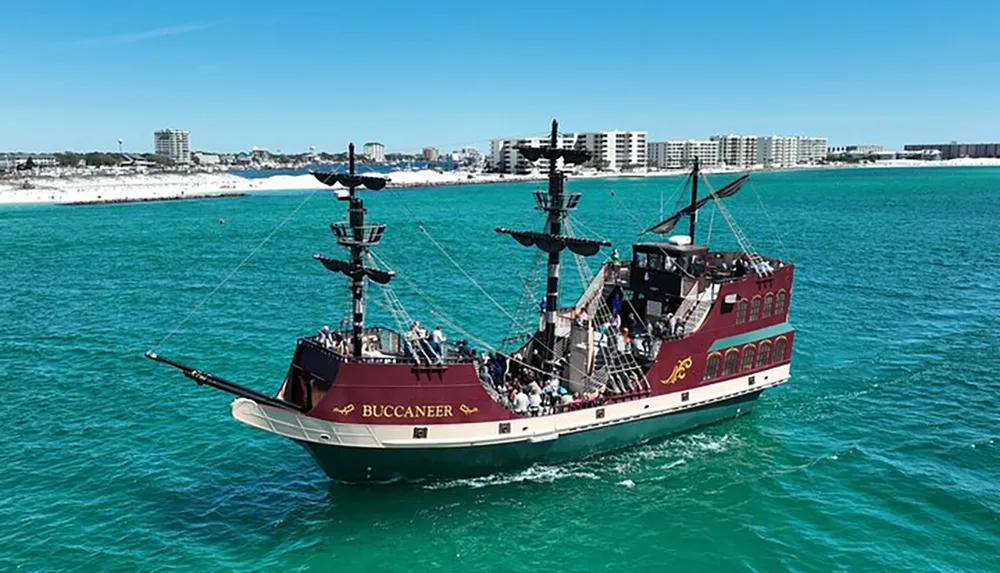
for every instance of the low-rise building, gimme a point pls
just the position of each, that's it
(857, 150)
(207, 159)
(430, 154)
(954, 149)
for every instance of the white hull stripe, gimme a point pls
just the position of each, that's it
(303, 428)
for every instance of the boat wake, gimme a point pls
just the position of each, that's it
(636, 462)
(533, 474)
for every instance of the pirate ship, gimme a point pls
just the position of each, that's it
(675, 337)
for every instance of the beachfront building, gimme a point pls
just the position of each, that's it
(777, 151)
(862, 150)
(430, 154)
(374, 151)
(681, 154)
(954, 150)
(737, 150)
(609, 150)
(205, 159)
(12, 161)
(505, 158)
(174, 144)
(812, 150)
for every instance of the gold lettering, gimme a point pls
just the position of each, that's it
(401, 412)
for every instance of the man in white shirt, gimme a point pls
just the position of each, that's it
(520, 402)
(438, 339)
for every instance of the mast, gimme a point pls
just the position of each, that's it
(553, 227)
(358, 282)
(556, 204)
(693, 216)
(359, 238)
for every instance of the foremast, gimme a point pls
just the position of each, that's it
(556, 204)
(358, 237)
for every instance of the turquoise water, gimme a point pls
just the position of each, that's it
(881, 454)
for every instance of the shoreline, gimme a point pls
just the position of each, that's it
(142, 187)
(153, 199)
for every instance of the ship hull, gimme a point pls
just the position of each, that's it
(361, 464)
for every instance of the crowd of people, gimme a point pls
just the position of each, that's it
(525, 388)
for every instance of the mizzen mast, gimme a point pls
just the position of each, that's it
(556, 203)
(358, 237)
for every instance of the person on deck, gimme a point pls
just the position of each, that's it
(535, 401)
(323, 337)
(520, 402)
(437, 342)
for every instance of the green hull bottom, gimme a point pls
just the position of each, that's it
(405, 464)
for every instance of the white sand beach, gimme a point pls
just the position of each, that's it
(161, 186)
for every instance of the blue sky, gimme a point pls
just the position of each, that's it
(287, 75)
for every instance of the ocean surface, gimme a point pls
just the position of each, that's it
(881, 454)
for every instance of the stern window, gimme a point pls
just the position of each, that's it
(779, 303)
(755, 309)
(741, 312)
(712, 367)
(764, 356)
(768, 305)
(779, 350)
(749, 353)
(732, 361)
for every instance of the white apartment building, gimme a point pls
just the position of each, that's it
(174, 144)
(681, 154)
(611, 150)
(737, 150)
(777, 151)
(374, 151)
(812, 149)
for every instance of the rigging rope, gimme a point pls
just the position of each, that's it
(774, 227)
(467, 275)
(233, 272)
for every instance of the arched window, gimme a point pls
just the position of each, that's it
(712, 366)
(755, 308)
(741, 312)
(764, 354)
(732, 362)
(780, 347)
(749, 353)
(779, 303)
(768, 305)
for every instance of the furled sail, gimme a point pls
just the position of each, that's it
(669, 223)
(352, 271)
(555, 243)
(533, 154)
(348, 180)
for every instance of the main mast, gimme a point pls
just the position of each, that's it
(693, 217)
(359, 238)
(556, 204)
